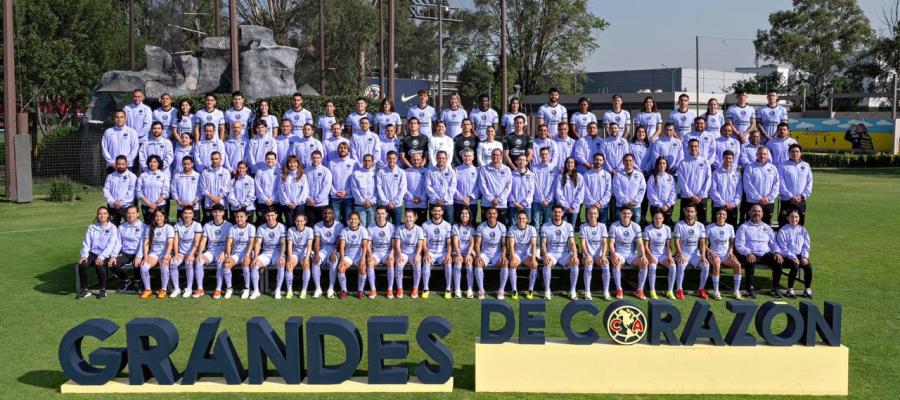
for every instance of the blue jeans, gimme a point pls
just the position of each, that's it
(514, 213)
(366, 214)
(572, 218)
(395, 216)
(540, 214)
(342, 208)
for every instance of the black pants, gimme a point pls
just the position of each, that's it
(314, 214)
(749, 268)
(148, 215)
(119, 270)
(787, 207)
(207, 214)
(421, 214)
(116, 216)
(83, 268)
(793, 268)
(731, 217)
(767, 210)
(700, 207)
(288, 215)
(667, 216)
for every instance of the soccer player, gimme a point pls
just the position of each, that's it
(364, 142)
(129, 250)
(270, 247)
(333, 143)
(99, 243)
(587, 147)
(299, 243)
(439, 142)
(780, 144)
(690, 249)
(152, 188)
(381, 233)
(185, 148)
(742, 115)
(657, 247)
(713, 118)
(319, 179)
(353, 251)
(390, 187)
(772, 115)
(705, 139)
(185, 189)
(796, 182)
(489, 248)
(726, 190)
(484, 116)
(625, 248)
(158, 246)
(188, 234)
(649, 118)
(326, 121)
(362, 187)
(524, 186)
(617, 116)
(521, 249)
(495, 184)
(543, 141)
(694, 181)
(581, 118)
(755, 244)
(266, 179)
(167, 116)
(668, 146)
(238, 114)
(214, 184)
(682, 117)
(487, 146)
(239, 250)
(342, 168)
(513, 110)
(593, 249)
(409, 243)
(386, 117)
(118, 190)
(204, 149)
(463, 251)
(293, 190)
(424, 114)
(598, 187)
(629, 187)
(793, 242)
(416, 197)
(570, 191)
(261, 145)
(466, 194)
(209, 115)
(156, 144)
(661, 191)
(558, 248)
(545, 178)
(440, 184)
(138, 115)
(762, 183)
(465, 140)
(552, 113)
(413, 143)
(215, 234)
(263, 115)
(517, 143)
(721, 245)
(298, 116)
(305, 145)
(183, 122)
(437, 250)
(242, 193)
(325, 236)
(119, 140)
(725, 142)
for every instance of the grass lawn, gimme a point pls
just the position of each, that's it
(852, 220)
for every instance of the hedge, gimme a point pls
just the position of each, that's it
(852, 160)
(344, 105)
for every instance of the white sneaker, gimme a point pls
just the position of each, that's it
(573, 295)
(737, 295)
(186, 294)
(228, 293)
(548, 296)
(606, 295)
(175, 293)
(317, 293)
(717, 295)
(303, 294)
(470, 294)
(457, 294)
(278, 294)
(255, 295)
(480, 295)
(245, 294)
(330, 293)
(500, 295)
(587, 296)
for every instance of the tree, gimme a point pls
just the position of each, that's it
(278, 15)
(174, 25)
(62, 48)
(548, 40)
(760, 84)
(819, 39)
(477, 77)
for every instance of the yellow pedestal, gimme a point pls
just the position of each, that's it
(604, 367)
(271, 385)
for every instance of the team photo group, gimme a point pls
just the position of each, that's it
(195, 192)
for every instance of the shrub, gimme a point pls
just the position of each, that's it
(61, 189)
(852, 160)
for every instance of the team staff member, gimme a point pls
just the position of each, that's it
(342, 168)
(706, 140)
(333, 142)
(158, 246)
(413, 143)
(242, 193)
(284, 139)
(319, 179)
(565, 145)
(761, 184)
(726, 142)
(364, 142)
(266, 180)
(668, 146)
(185, 189)
(238, 114)
(440, 184)
(772, 115)
(780, 144)
(552, 113)
(484, 116)
(587, 147)
(617, 116)
(119, 140)
(570, 191)
(235, 147)
(119, 189)
(466, 194)
(742, 115)
(362, 187)
(615, 148)
(298, 116)
(793, 241)
(545, 176)
(261, 145)
(214, 184)
(156, 144)
(205, 148)
(465, 140)
(543, 141)
(755, 244)
(521, 246)
(416, 197)
(629, 187)
(661, 191)
(389, 142)
(185, 148)
(209, 115)
(294, 189)
(682, 117)
(129, 249)
(748, 150)
(138, 115)
(694, 181)
(726, 190)
(305, 145)
(524, 186)
(152, 188)
(796, 182)
(390, 187)
(423, 113)
(495, 185)
(98, 246)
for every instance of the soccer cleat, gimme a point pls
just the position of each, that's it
(255, 295)
(448, 295)
(717, 295)
(330, 293)
(199, 293)
(670, 295)
(162, 294)
(775, 293)
(790, 294)
(620, 294)
(573, 295)
(400, 293)
(342, 295)
(480, 295)
(470, 294)
(606, 295)
(457, 294)
(653, 295)
(360, 295)
(175, 293)
(82, 294)
(588, 296)
(390, 294)
(102, 294)
(500, 295)
(703, 295)
(289, 295)
(415, 293)
(737, 295)
(426, 294)
(807, 293)
(548, 296)
(186, 293)
(640, 295)
(145, 294)
(228, 293)
(529, 295)
(373, 294)
(278, 294)
(245, 294)
(302, 294)
(317, 293)
(679, 294)
(515, 295)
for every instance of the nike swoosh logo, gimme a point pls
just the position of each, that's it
(404, 99)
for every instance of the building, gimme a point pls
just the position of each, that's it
(662, 79)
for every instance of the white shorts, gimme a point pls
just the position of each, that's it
(490, 259)
(267, 259)
(438, 259)
(353, 260)
(212, 254)
(559, 259)
(238, 258)
(694, 259)
(722, 257)
(627, 259)
(523, 253)
(157, 254)
(381, 258)
(404, 258)
(325, 254)
(663, 256)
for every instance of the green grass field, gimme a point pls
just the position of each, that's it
(852, 220)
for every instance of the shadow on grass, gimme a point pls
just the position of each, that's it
(60, 280)
(44, 379)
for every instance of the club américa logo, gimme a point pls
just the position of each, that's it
(625, 323)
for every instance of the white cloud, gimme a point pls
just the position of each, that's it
(804, 125)
(844, 125)
(884, 122)
(830, 122)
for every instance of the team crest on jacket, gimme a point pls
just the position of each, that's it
(626, 324)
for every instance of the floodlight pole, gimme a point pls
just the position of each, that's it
(235, 63)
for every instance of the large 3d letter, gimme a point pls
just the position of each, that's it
(223, 359)
(320, 373)
(263, 344)
(73, 363)
(145, 361)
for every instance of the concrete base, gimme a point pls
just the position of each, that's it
(605, 367)
(272, 385)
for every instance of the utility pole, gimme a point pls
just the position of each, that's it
(235, 63)
(420, 11)
(9, 97)
(131, 35)
(392, 17)
(697, 70)
(380, 49)
(321, 47)
(503, 78)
